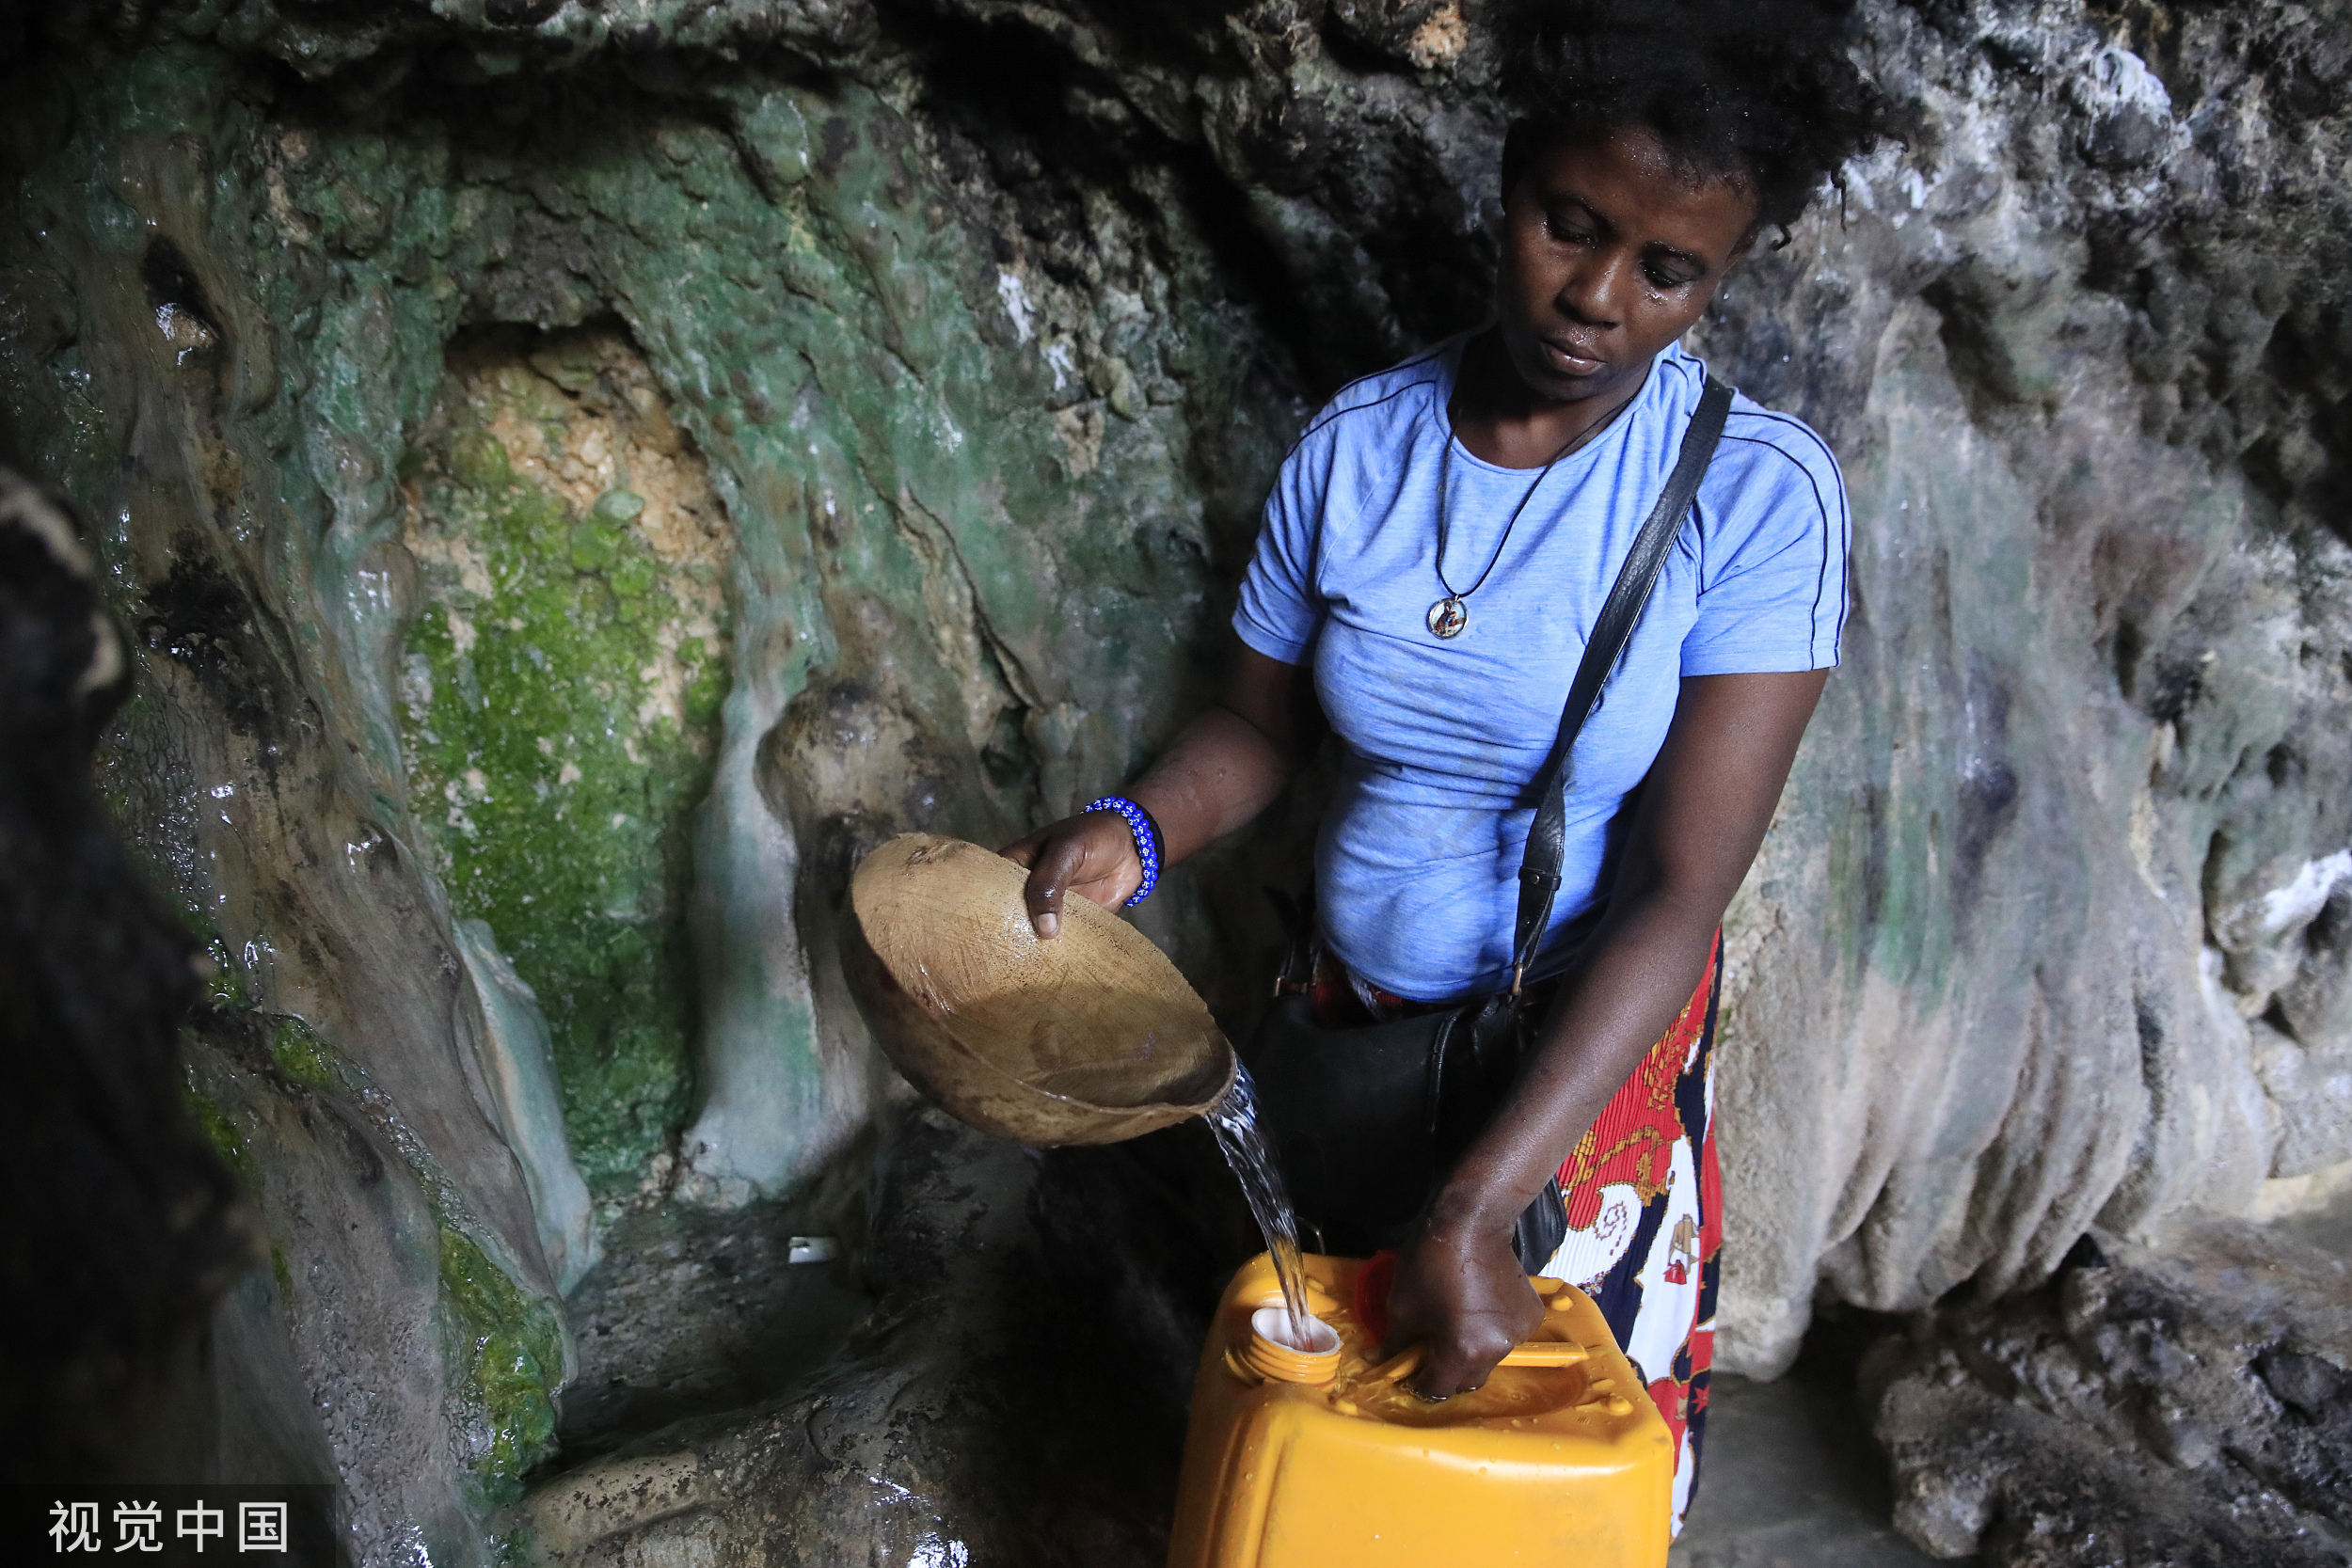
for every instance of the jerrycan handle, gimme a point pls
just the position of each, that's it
(1371, 1310)
(1531, 1353)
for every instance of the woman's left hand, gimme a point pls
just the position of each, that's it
(1460, 1293)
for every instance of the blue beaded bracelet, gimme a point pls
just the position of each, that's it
(1146, 834)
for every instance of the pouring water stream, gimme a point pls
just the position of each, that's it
(1234, 1120)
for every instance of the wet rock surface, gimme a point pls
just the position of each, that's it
(125, 1227)
(699, 1311)
(1014, 1393)
(2190, 1408)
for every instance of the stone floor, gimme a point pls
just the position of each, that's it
(1792, 1480)
(697, 1320)
(2327, 1227)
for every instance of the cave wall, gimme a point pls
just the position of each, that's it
(2043, 937)
(575, 474)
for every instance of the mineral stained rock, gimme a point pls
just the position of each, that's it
(2042, 935)
(577, 474)
(2193, 1408)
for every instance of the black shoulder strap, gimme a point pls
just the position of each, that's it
(1539, 871)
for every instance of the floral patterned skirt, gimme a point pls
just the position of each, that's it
(1645, 1223)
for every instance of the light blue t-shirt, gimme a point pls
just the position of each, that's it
(1417, 869)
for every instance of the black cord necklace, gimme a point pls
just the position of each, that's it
(1450, 616)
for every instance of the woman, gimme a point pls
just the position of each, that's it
(1431, 561)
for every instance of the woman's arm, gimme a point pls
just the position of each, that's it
(1701, 817)
(1223, 768)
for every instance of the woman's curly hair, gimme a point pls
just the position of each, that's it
(1762, 91)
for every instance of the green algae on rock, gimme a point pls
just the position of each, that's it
(506, 1356)
(561, 689)
(301, 1055)
(220, 1132)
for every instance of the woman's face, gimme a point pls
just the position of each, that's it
(1610, 253)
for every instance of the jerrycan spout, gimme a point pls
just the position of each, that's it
(1274, 1352)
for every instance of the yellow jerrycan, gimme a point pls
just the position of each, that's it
(1319, 1458)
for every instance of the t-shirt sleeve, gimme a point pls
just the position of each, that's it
(1280, 609)
(1772, 559)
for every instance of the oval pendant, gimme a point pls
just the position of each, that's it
(1448, 616)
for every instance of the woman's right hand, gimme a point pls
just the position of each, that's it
(1092, 855)
(1223, 768)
